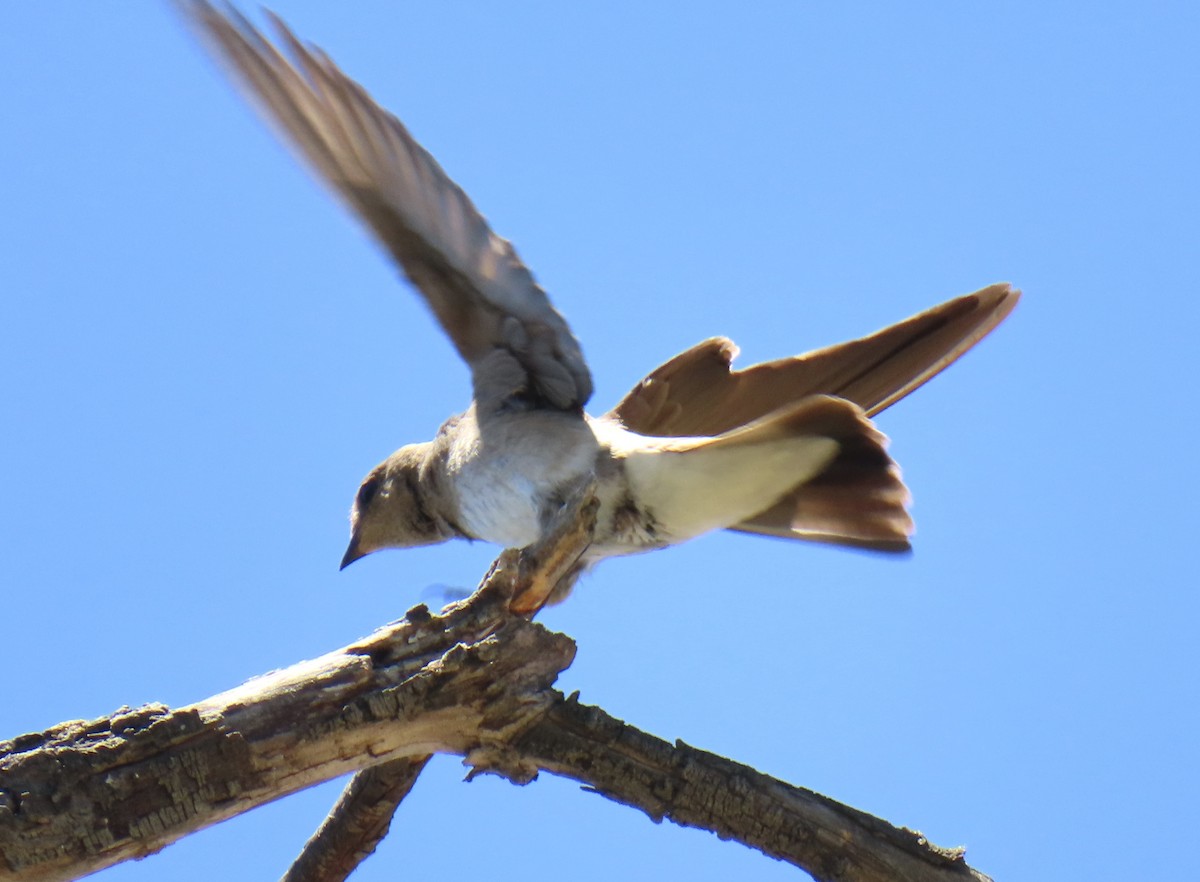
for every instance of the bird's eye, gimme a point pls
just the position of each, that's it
(367, 492)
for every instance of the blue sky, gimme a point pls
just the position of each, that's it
(201, 355)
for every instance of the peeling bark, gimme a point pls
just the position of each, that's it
(475, 681)
(85, 795)
(357, 822)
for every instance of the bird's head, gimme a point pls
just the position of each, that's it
(392, 509)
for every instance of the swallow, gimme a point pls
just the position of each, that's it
(784, 448)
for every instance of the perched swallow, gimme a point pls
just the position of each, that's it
(785, 448)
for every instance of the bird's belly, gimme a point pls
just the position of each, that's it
(499, 507)
(509, 477)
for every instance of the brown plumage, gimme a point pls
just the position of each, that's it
(784, 448)
(699, 393)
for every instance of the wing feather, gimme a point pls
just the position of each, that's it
(485, 298)
(699, 393)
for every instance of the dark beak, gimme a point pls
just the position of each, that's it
(352, 553)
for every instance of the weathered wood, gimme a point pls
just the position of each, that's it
(694, 788)
(85, 795)
(357, 822)
(475, 681)
(362, 815)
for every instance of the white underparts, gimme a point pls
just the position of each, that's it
(689, 492)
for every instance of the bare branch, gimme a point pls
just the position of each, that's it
(85, 795)
(474, 681)
(695, 788)
(362, 815)
(357, 822)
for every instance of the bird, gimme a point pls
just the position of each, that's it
(785, 448)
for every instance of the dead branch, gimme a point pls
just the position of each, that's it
(695, 788)
(357, 822)
(475, 681)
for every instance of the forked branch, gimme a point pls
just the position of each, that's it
(475, 681)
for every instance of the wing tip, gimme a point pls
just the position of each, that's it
(999, 299)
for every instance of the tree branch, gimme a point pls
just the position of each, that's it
(82, 796)
(357, 822)
(363, 814)
(694, 788)
(474, 681)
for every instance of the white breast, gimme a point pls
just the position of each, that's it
(505, 472)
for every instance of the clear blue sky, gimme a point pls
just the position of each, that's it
(200, 356)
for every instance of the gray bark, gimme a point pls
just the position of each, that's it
(476, 681)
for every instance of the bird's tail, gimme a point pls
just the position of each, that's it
(816, 470)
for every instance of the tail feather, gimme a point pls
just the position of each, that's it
(750, 478)
(858, 500)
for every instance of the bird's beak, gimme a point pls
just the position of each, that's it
(352, 554)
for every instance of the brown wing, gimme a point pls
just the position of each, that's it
(698, 392)
(483, 295)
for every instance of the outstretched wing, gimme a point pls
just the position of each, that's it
(485, 298)
(698, 392)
